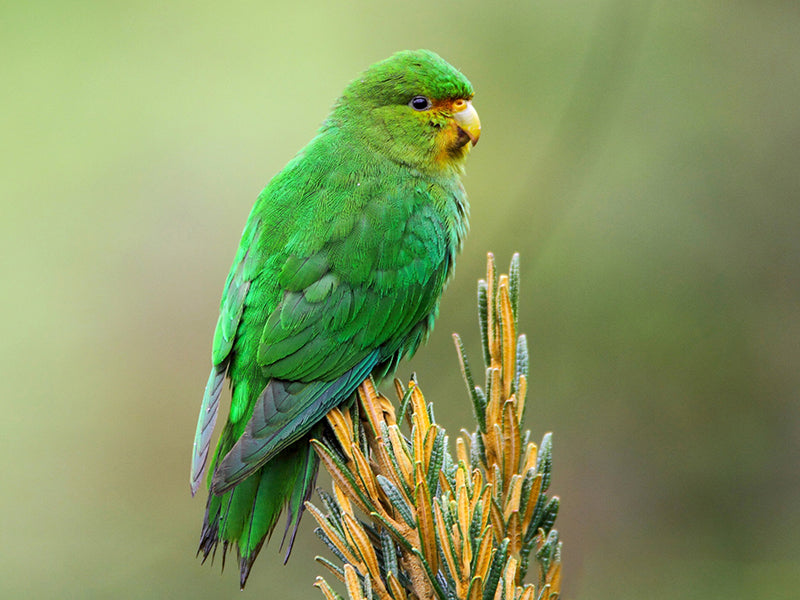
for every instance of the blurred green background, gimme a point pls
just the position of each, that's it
(644, 158)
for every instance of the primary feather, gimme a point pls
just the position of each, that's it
(337, 277)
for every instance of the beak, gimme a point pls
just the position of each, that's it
(466, 118)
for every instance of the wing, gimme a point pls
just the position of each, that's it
(284, 412)
(231, 309)
(364, 290)
(337, 321)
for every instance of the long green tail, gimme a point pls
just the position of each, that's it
(264, 462)
(245, 515)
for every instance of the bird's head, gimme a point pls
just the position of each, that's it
(414, 108)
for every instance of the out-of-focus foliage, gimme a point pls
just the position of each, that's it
(642, 157)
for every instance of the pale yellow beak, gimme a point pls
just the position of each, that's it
(466, 118)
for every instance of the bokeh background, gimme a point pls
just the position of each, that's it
(642, 156)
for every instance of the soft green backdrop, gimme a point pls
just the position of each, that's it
(644, 158)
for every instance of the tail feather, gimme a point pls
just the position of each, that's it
(301, 493)
(245, 515)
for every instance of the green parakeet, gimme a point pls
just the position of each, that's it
(337, 277)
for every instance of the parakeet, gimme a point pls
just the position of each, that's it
(338, 276)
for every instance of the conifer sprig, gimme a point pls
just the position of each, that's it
(429, 525)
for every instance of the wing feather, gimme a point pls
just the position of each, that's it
(283, 413)
(205, 424)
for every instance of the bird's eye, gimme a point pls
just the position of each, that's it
(420, 103)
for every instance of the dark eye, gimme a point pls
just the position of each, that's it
(420, 103)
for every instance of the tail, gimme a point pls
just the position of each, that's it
(246, 514)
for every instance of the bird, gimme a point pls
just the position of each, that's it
(337, 277)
